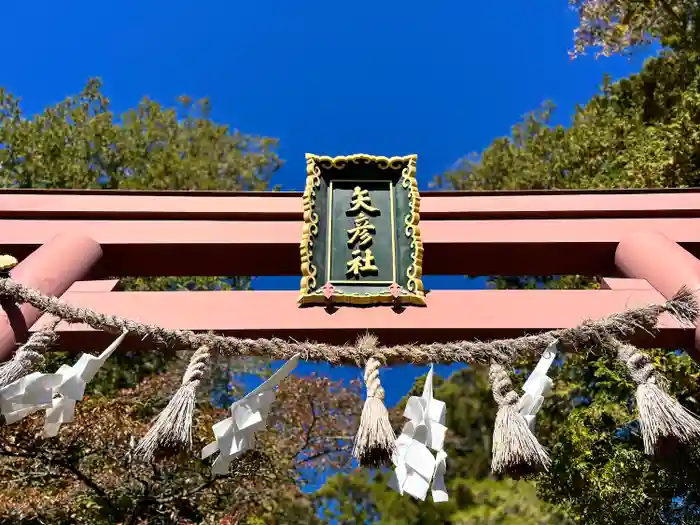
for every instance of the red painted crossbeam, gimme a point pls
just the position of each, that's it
(473, 247)
(450, 315)
(269, 206)
(473, 233)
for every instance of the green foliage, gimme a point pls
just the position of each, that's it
(80, 143)
(476, 497)
(619, 26)
(640, 132)
(591, 429)
(484, 502)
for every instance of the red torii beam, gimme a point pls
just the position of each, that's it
(472, 233)
(450, 315)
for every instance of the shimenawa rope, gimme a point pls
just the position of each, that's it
(589, 334)
(515, 447)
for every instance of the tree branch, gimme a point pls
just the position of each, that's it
(669, 11)
(321, 454)
(51, 459)
(87, 481)
(309, 431)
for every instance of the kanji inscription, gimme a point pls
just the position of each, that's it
(361, 243)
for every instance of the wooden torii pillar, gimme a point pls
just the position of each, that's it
(663, 263)
(51, 269)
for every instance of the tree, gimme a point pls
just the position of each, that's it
(80, 143)
(618, 26)
(639, 132)
(82, 475)
(475, 496)
(591, 428)
(85, 474)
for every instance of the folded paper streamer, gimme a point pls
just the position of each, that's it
(236, 434)
(415, 465)
(56, 393)
(537, 387)
(27, 395)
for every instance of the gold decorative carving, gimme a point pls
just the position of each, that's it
(310, 229)
(412, 220)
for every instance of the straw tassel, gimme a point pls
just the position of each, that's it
(28, 356)
(684, 306)
(375, 439)
(516, 450)
(173, 428)
(663, 420)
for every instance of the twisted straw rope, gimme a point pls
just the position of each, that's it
(502, 386)
(621, 325)
(28, 356)
(33, 350)
(660, 416)
(372, 383)
(641, 370)
(197, 367)
(174, 424)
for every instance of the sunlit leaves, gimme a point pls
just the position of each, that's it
(640, 132)
(85, 472)
(81, 143)
(84, 476)
(618, 26)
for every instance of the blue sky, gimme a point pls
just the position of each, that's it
(440, 79)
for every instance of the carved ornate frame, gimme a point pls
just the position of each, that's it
(413, 293)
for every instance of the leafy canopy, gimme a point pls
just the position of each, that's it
(641, 132)
(83, 475)
(80, 143)
(619, 26)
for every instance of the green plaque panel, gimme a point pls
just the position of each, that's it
(361, 242)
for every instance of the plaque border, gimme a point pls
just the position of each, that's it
(413, 293)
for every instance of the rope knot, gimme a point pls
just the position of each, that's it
(173, 428)
(197, 367)
(503, 392)
(638, 364)
(28, 356)
(664, 422)
(515, 448)
(372, 383)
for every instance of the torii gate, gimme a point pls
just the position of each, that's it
(63, 237)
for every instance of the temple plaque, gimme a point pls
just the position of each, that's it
(361, 241)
